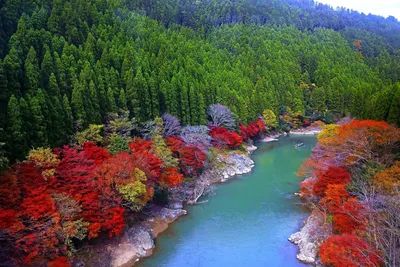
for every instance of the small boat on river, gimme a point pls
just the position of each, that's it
(299, 145)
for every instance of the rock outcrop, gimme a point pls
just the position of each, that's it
(138, 240)
(309, 238)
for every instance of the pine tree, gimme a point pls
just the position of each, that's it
(46, 68)
(53, 86)
(111, 106)
(122, 100)
(3, 97)
(201, 109)
(155, 106)
(78, 105)
(132, 95)
(95, 116)
(26, 116)
(394, 112)
(32, 73)
(57, 123)
(68, 117)
(39, 125)
(17, 146)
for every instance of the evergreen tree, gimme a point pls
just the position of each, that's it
(17, 146)
(39, 127)
(68, 117)
(46, 68)
(111, 105)
(394, 112)
(32, 72)
(26, 116)
(78, 105)
(122, 100)
(94, 115)
(53, 86)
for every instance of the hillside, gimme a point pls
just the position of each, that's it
(69, 63)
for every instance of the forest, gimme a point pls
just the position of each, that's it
(68, 64)
(105, 105)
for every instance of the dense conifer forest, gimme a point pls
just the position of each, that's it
(67, 64)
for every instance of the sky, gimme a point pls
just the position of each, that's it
(376, 7)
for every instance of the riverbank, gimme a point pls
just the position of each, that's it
(309, 238)
(137, 241)
(142, 245)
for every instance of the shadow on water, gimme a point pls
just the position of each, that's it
(248, 221)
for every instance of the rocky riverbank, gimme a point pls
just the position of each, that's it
(309, 238)
(306, 131)
(137, 241)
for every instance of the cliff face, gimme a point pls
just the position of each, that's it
(138, 239)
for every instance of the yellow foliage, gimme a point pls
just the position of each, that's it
(270, 118)
(328, 131)
(43, 157)
(92, 134)
(48, 173)
(140, 175)
(389, 180)
(133, 193)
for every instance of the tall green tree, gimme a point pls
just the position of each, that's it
(16, 142)
(32, 71)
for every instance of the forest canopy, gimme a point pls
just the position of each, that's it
(65, 64)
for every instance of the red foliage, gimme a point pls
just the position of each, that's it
(243, 131)
(333, 175)
(95, 153)
(348, 251)
(9, 191)
(114, 221)
(138, 145)
(7, 218)
(59, 262)
(171, 177)
(191, 158)
(222, 138)
(252, 130)
(350, 218)
(116, 170)
(38, 207)
(149, 163)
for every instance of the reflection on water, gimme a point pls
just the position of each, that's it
(248, 221)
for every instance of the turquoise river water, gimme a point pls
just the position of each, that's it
(248, 221)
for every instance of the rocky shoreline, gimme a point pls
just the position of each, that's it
(309, 238)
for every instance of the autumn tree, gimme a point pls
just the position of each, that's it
(348, 251)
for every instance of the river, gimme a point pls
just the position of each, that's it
(248, 220)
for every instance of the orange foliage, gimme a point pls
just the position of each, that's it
(365, 140)
(389, 180)
(348, 251)
(172, 177)
(331, 176)
(335, 196)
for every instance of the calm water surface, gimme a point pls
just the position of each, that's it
(248, 221)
